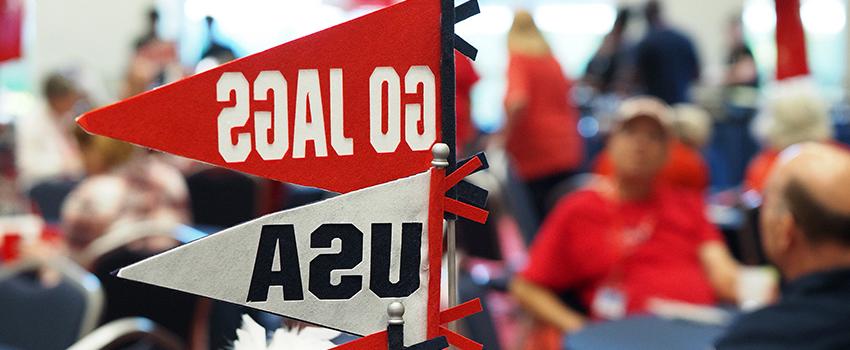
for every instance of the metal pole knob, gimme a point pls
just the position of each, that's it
(396, 312)
(441, 155)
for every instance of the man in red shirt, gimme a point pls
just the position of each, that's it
(628, 239)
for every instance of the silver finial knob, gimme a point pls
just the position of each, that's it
(441, 155)
(395, 310)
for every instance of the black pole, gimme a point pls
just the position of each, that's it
(447, 79)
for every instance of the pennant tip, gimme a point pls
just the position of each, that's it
(126, 273)
(82, 121)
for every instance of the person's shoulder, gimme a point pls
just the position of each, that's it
(793, 323)
(518, 57)
(680, 37)
(582, 201)
(757, 329)
(533, 59)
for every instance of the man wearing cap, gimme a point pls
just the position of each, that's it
(805, 224)
(628, 239)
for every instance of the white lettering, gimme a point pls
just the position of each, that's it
(308, 91)
(384, 142)
(342, 145)
(271, 80)
(426, 112)
(233, 117)
(273, 137)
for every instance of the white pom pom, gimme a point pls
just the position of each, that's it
(251, 336)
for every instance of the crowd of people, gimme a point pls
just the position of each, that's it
(638, 231)
(612, 231)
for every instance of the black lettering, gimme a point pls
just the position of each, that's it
(350, 255)
(408, 279)
(289, 276)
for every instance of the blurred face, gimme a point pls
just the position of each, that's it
(638, 149)
(64, 104)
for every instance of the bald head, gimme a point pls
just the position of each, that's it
(812, 181)
(823, 170)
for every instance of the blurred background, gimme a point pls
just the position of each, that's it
(74, 207)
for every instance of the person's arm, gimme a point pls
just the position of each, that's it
(545, 305)
(516, 95)
(555, 246)
(714, 256)
(722, 269)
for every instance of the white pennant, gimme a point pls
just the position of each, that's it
(221, 266)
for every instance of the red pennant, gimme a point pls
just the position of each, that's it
(791, 59)
(369, 342)
(361, 105)
(11, 25)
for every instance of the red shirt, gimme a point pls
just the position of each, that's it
(759, 169)
(542, 138)
(581, 246)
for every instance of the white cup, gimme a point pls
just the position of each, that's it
(756, 286)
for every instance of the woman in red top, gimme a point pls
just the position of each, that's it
(793, 112)
(540, 131)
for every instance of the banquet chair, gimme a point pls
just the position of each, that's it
(128, 243)
(36, 316)
(48, 197)
(131, 332)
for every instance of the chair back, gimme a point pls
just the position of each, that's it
(129, 330)
(48, 197)
(127, 243)
(36, 316)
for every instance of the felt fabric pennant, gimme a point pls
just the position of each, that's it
(465, 48)
(466, 10)
(468, 167)
(466, 211)
(447, 78)
(459, 341)
(462, 12)
(337, 263)
(352, 106)
(471, 194)
(463, 191)
(346, 109)
(438, 343)
(376, 341)
(435, 253)
(460, 311)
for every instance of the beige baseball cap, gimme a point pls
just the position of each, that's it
(645, 106)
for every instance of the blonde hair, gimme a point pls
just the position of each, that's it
(102, 154)
(693, 124)
(525, 37)
(793, 111)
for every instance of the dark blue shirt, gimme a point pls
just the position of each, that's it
(667, 64)
(814, 313)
